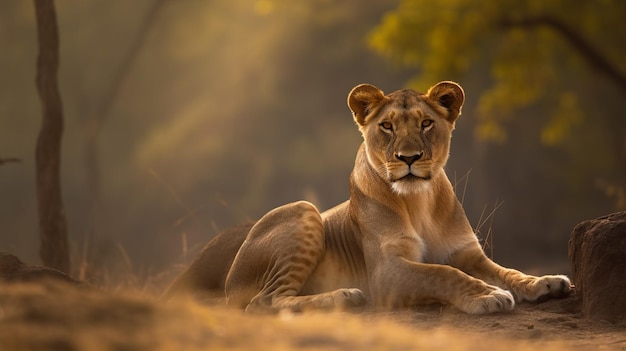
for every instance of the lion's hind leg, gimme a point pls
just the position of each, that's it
(276, 259)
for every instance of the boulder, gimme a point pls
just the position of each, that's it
(597, 256)
(12, 269)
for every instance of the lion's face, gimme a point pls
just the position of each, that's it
(406, 133)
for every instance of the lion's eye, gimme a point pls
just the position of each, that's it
(386, 126)
(427, 123)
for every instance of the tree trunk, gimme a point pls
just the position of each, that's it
(52, 226)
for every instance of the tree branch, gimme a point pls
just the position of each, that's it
(8, 160)
(585, 48)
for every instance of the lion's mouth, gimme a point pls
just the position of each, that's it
(411, 177)
(409, 174)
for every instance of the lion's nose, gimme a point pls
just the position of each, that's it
(410, 159)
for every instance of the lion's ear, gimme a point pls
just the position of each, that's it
(449, 95)
(362, 100)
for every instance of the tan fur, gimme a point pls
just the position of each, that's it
(401, 239)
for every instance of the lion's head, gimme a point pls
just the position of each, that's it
(407, 134)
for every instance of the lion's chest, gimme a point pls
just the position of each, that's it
(434, 242)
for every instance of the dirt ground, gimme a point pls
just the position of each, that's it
(57, 317)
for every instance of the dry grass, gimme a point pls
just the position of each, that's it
(59, 317)
(485, 220)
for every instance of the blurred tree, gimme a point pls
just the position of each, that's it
(524, 42)
(98, 118)
(52, 225)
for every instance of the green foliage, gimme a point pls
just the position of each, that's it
(430, 35)
(530, 60)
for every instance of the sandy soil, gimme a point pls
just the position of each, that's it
(57, 317)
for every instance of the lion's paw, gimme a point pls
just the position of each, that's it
(348, 298)
(545, 287)
(497, 300)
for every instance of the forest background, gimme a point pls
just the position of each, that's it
(183, 118)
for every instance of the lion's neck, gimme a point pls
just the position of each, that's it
(370, 194)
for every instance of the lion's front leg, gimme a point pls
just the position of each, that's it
(524, 287)
(401, 282)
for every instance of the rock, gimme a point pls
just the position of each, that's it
(597, 256)
(12, 269)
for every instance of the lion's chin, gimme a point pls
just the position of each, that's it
(410, 185)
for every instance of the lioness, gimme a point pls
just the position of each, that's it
(401, 239)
